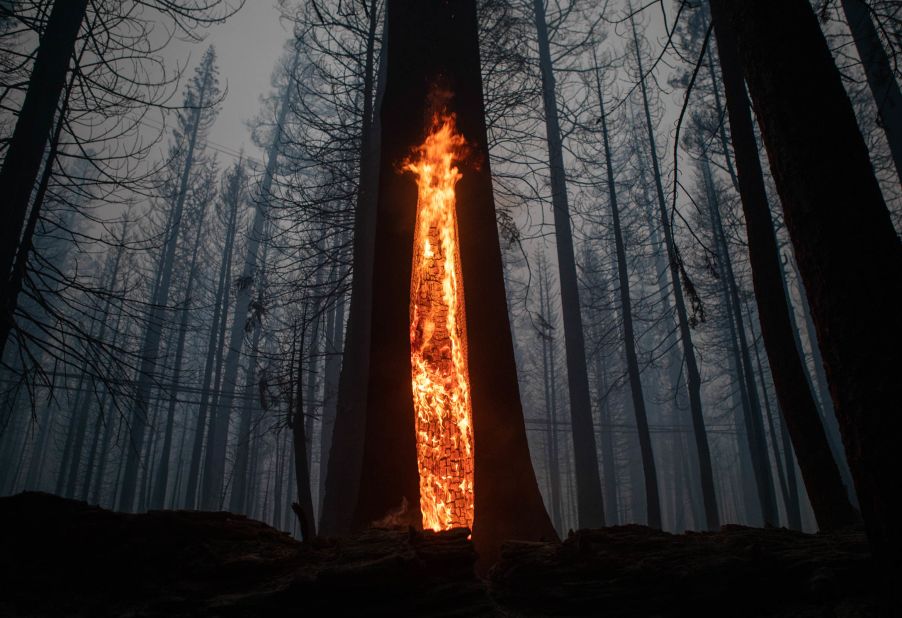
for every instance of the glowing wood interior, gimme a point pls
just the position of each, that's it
(438, 339)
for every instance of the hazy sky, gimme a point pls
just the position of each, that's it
(248, 46)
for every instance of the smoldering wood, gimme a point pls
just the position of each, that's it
(433, 44)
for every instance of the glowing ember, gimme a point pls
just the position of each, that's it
(438, 340)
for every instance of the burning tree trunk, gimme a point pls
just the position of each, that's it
(433, 73)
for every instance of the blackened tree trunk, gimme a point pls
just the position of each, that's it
(25, 153)
(549, 383)
(303, 508)
(335, 328)
(819, 387)
(693, 377)
(346, 450)
(820, 473)
(241, 469)
(204, 90)
(879, 73)
(754, 424)
(606, 439)
(848, 253)
(787, 471)
(233, 199)
(590, 504)
(157, 500)
(652, 498)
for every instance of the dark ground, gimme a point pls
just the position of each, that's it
(64, 558)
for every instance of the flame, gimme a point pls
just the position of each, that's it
(438, 341)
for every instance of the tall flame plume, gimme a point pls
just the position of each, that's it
(438, 339)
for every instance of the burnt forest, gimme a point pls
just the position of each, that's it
(510, 308)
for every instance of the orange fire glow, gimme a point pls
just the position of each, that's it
(438, 339)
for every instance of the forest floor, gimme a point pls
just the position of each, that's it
(60, 557)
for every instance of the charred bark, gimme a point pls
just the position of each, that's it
(829, 499)
(23, 158)
(346, 449)
(848, 253)
(430, 42)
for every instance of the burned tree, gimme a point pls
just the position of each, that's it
(829, 499)
(848, 253)
(433, 67)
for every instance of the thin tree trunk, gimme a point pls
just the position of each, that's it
(549, 380)
(71, 432)
(162, 480)
(693, 377)
(590, 502)
(220, 311)
(652, 498)
(29, 140)
(346, 450)
(879, 72)
(151, 345)
(238, 498)
(314, 353)
(277, 484)
(303, 508)
(334, 346)
(754, 425)
(611, 501)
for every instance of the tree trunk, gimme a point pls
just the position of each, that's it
(797, 404)
(847, 250)
(23, 157)
(303, 508)
(611, 500)
(822, 390)
(590, 502)
(652, 497)
(332, 372)
(238, 499)
(879, 73)
(428, 40)
(158, 498)
(151, 345)
(549, 382)
(754, 424)
(346, 449)
(693, 378)
(220, 311)
(791, 493)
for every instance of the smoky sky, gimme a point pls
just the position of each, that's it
(248, 45)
